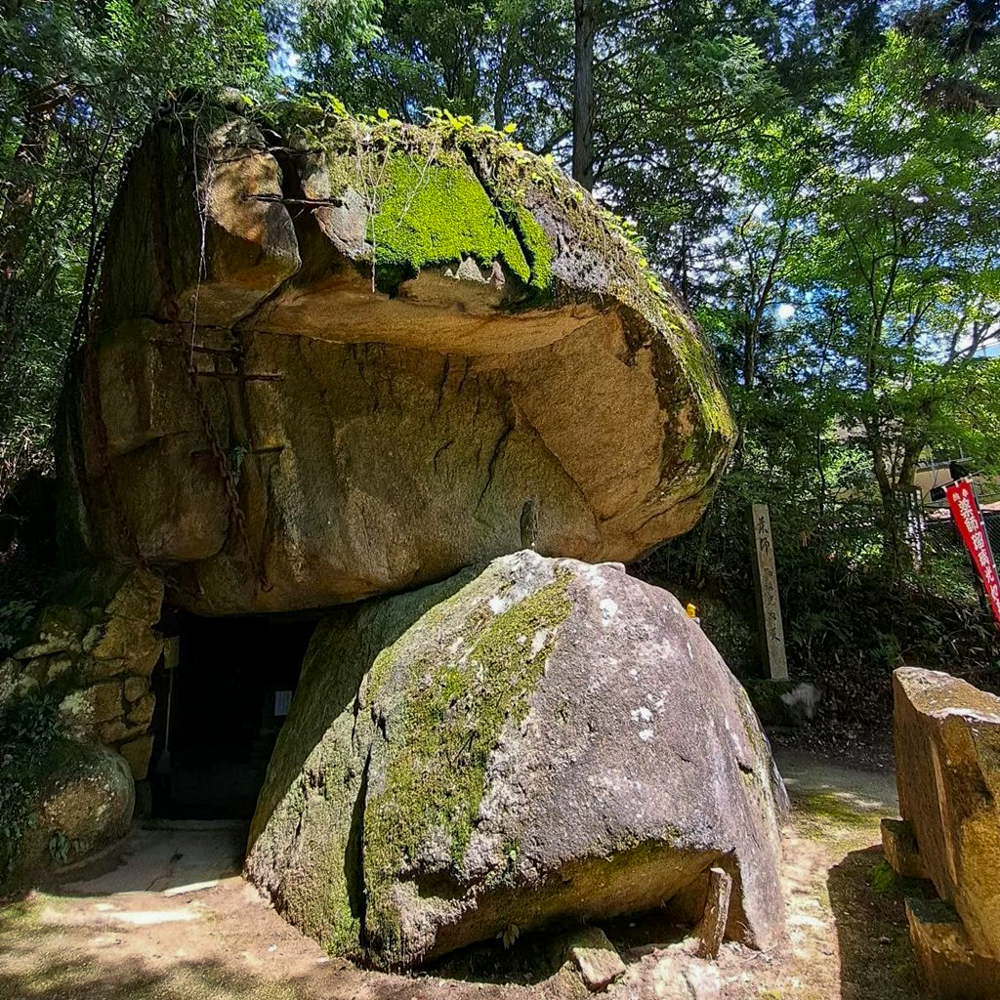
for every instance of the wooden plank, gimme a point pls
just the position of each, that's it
(712, 928)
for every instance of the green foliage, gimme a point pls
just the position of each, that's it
(59, 846)
(27, 727)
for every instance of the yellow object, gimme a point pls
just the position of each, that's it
(692, 611)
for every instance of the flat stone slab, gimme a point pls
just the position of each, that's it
(596, 958)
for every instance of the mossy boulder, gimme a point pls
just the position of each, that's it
(535, 743)
(67, 800)
(336, 358)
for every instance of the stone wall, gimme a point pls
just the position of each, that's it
(95, 652)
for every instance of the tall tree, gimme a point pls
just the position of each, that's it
(583, 92)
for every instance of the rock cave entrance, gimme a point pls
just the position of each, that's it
(223, 690)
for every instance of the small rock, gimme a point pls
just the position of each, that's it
(678, 976)
(596, 958)
(497, 276)
(92, 638)
(468, 270)
(142, 711)
(135, 688)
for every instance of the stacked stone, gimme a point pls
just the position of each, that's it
(947, 742)
(96, 656)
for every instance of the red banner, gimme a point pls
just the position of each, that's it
(968, 519)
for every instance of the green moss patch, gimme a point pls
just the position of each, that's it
(436, 213)
(538, 248)
(823, 816)
(699, 367)
(884, 880)
(452, 711)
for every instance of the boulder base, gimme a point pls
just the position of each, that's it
(947, 743)
(531, 744)
(949, 966)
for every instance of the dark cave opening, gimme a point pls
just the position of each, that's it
(223, 689)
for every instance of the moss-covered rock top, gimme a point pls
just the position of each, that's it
(448, 190)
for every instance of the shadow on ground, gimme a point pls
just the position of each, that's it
(876, 959)
(69, 973)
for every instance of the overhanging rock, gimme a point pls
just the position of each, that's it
(336, 358)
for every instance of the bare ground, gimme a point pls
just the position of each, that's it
(147, 928)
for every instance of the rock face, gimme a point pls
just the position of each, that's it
(349, 358)
(947, 744)
(537, 742)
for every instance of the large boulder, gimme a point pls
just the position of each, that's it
(947, 743)
(535, 743)
(336, 358)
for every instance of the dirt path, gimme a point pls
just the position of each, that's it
(172, 921)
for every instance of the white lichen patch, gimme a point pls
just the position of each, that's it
(75, 705)
(541, 637)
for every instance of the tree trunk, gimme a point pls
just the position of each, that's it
(583, 94)
(893, 521)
